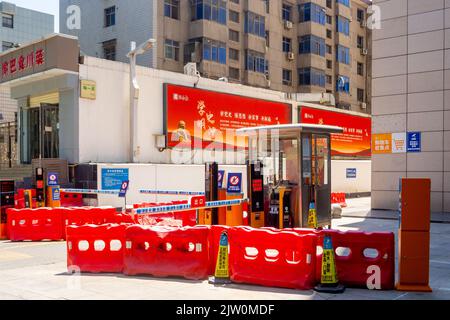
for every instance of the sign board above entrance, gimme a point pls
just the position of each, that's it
(55, 52)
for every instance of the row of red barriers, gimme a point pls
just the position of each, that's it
(339, 198)
(185, 218)
(50, 223)
(268, 257)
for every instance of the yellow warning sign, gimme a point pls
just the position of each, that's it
(329, 274)
(312, 217)
(222, 258)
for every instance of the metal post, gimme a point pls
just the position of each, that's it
(134, 97)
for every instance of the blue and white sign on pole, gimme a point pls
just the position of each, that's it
(234, 183)
(52, 179)
(221, 176)
(414, 142)
(124, 189)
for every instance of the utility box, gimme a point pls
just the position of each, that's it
(414, 235)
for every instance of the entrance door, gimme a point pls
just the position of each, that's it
(40, 132)
(316, 173)
(49, 131)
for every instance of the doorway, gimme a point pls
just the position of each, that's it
(40, 132)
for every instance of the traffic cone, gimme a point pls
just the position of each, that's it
(222, 274)
(329, 282)
(312, 216)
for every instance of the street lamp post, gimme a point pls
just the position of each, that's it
(134, 96)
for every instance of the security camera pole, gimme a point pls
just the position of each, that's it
(134, 96)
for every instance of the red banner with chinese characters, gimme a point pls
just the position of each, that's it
(197, 118)
(357, 137)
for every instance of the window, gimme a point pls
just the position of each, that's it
(267, 2)
(343, 54)
(329, 49)
(7, 45)
(344, 2)
(234, 54)
(8, 20)
(311, 12)
(233, 73)
(287, 45)
(343, 84)
(267, 39)
(343, 25)
(312, 44)
(234, 16)
(172, 8)
(287, 12)
(329, 5)
(360, 94)
(214, 51)
(213, 10)
(256, 62)
(329, 79)
(329, 19)
(255, 24)
(329, 35)
(360, 15)
(109, 50)
(311, 77)
(172, 50)
(233, 35)
(360, 42)
(235, 1)
(110, 16)
(360, 69)
(329, 64)
(287, 77)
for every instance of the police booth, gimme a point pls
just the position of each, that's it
(289, 170)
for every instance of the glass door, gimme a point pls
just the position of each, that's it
(49, 131)
(39, 132)
(316, 172)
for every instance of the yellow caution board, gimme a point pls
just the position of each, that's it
(312, 217)
(329, 274)
(222, 274)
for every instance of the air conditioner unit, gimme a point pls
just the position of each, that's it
(288, 25)
(364, 51)
(363, 105)
(290, 56)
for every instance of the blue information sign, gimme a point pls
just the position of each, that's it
(234, 183)
(112, 179)
(221, 175)
(124, 189)
(351, 173)
(52, 179)
(414, 142)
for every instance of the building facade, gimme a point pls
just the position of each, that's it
(411, 99)
(314, 46)
(19, 25)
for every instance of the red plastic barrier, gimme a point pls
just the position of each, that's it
(96, 249)
(188, 218)
(35, 224)
(273, 259)
(166, 251)
(356, 253)
(89, 215)
(71, 200)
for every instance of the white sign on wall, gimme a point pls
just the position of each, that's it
(399, 142)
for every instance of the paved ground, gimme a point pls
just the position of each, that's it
(38, 271)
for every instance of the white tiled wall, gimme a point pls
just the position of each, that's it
(411, 92)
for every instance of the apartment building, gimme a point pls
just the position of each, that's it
(294, 46)
(19, 25)
(411, 100)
